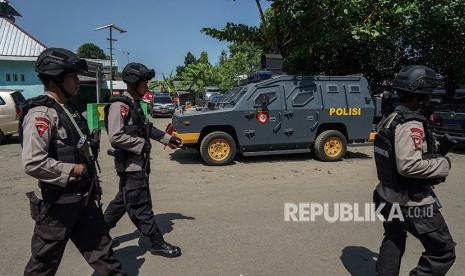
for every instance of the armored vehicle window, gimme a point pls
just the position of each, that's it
(259, 99)
(2, 102)
(304, 96)
(354, 89)
(332, 88)
(234, 95)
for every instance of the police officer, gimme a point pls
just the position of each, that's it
(50, 130)
(409, 164)
(130, 133)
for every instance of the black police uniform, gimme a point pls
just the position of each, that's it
(406, 133)
(130, 135)
(49, 141)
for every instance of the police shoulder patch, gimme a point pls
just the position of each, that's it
(417, 135)
(124, 110)
(43, 119)
(41, 128)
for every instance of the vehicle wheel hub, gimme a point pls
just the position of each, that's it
(219, 149)
(333, 147)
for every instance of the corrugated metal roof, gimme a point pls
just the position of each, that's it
(16, 43)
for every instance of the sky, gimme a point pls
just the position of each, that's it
(159, 33)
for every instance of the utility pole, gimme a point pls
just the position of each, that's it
(111, 27)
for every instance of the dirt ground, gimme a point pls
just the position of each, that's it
(230, 220)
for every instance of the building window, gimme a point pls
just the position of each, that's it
(15, 77)
(23, 78)
(8, 77)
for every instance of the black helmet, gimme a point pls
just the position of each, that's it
(134, 72)
(416, 79)
(57, 61)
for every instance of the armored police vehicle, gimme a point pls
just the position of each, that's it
(283, 114)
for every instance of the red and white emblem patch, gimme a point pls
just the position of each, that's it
(124, 111)
(41, 128)
(417, 137)
(263, 117)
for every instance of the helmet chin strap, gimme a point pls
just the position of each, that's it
(59, 83)
(64, 92)
(133, 87)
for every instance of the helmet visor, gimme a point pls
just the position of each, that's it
(79, 65)
(147, 74)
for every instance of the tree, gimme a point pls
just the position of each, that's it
(188, 59)
(373, 37)
(90, 50)
(198, 75)
(441, 42)
(244, 59)
(203, 58)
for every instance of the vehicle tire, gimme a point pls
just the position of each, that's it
(218, 148)
(152, 114)
(330, 146)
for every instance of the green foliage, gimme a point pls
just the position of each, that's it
(236, 33)
(90, 50)
(373, 37)
(203, 58)
(198, 75)
(244, 59)
(188, 59)
(166, 85)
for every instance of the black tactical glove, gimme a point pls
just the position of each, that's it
(446, 144)
(176, 141)
(147, 147)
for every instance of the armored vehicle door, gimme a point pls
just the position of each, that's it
(265, 115)
(301, 114)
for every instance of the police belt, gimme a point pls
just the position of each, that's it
(76, 186)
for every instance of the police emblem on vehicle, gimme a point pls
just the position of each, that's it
(263, 117)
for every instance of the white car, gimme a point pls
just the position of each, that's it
(10, 101)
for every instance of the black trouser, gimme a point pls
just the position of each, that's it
(56, 224)
(134, 198)
(425, 223)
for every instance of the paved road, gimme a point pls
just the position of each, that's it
(230, 220)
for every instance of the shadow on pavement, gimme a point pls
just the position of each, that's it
(11, 140)
(186, 156)
(356, 155)
(192, 156)
(165, 221)
(130, 256)
(359, 261)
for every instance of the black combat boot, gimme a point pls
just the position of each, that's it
(162, 248)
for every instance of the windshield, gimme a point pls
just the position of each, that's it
(233, 95)
(162, 100)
